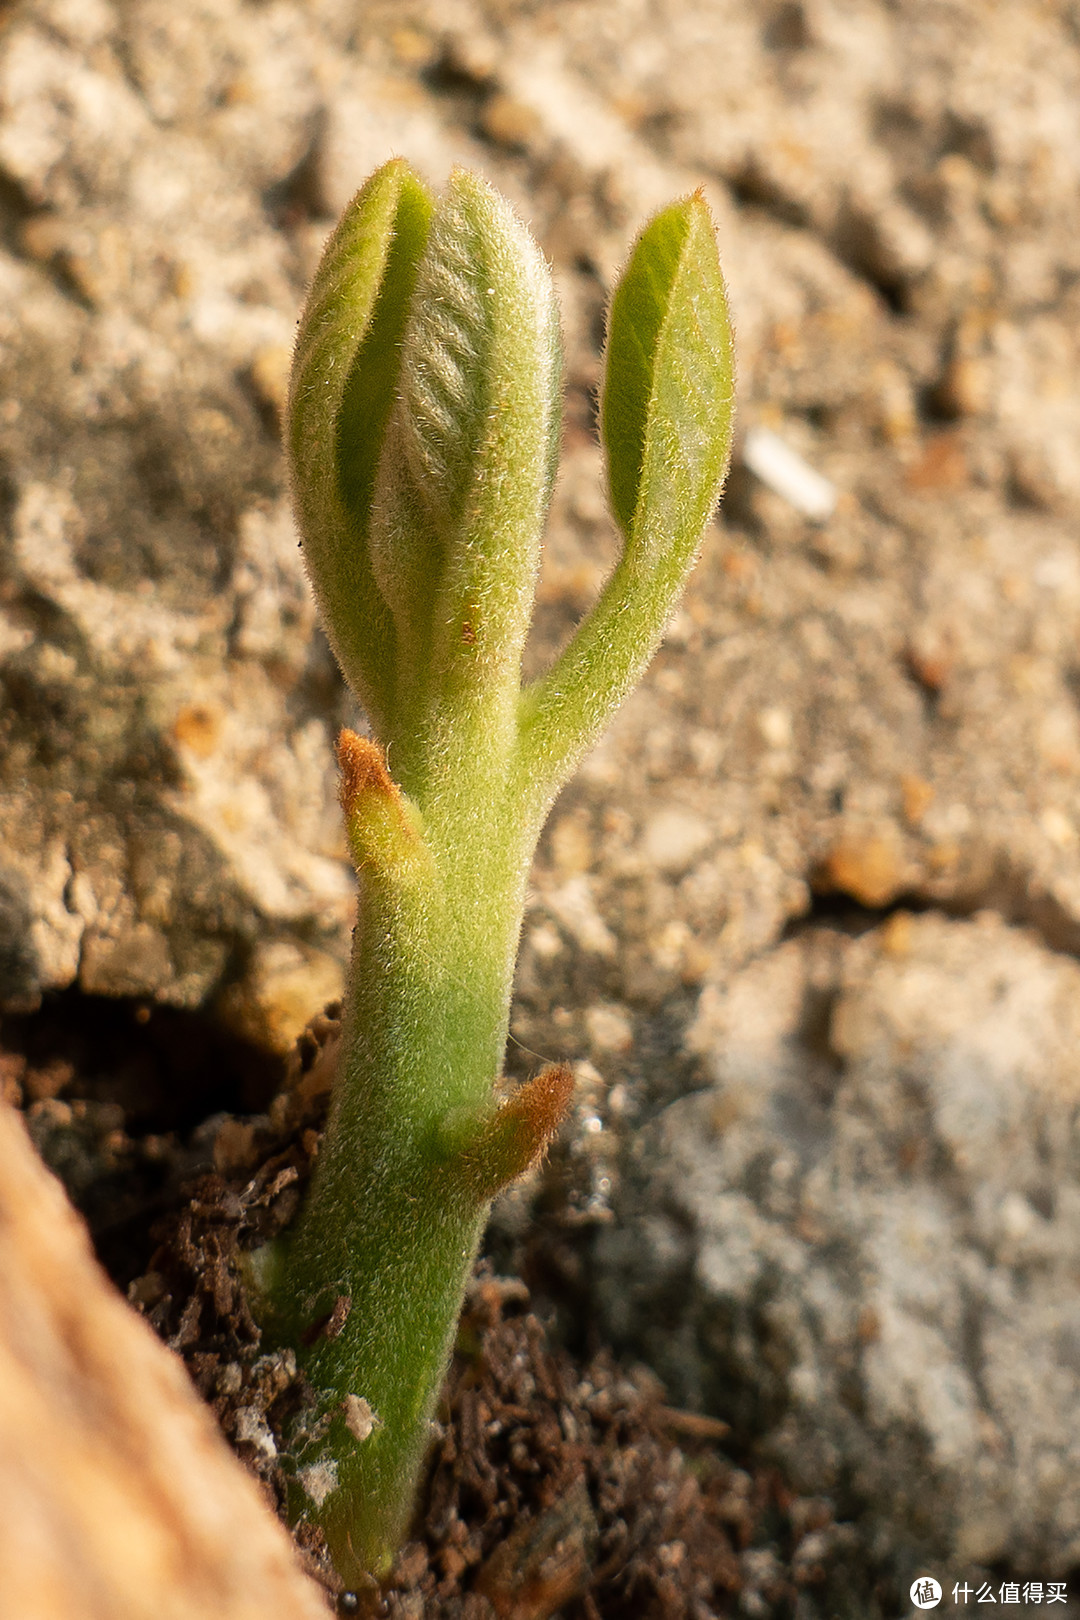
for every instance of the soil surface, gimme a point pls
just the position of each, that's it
(560, 1481)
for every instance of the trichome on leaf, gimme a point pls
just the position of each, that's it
(423, 432)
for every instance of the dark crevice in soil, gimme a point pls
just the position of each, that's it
(167, 1067)
(844, 915)
(15, 208)
(855, 240)
(1008, 890)
(17, 211)
(299, 196)
(751, 188)
(117, 1094)
(856, 243)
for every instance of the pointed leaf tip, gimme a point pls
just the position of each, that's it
(362, 764)
(384, 828)
(669, 370)
(518, 1134)
(343, 385)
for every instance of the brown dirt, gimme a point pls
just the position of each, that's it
(560, 1482)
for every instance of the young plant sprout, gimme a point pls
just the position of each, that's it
(423, 434)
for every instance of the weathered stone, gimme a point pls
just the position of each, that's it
(861, 1241)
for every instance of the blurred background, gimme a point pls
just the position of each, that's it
(807, 920)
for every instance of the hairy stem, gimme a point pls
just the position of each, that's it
(414, 1150)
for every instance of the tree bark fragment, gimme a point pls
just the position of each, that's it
(119, 1500)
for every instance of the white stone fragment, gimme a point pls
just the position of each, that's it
(574, 906)
(898, 1198)
(361, 1419)
(674, 839)
(784, 471)
(609, 1027)
(319, 1480)
(252, 1426)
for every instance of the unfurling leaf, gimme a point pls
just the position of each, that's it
(668, 386)
(467, 468)
(666, 420)
(344, 382)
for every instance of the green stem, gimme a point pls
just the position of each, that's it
(390, 1227)
(423, 430)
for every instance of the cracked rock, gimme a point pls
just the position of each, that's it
(861, 1240)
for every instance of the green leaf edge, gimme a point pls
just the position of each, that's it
(635, 327)
(563, 711)
(357, 306)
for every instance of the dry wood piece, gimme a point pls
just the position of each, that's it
(120, 1500)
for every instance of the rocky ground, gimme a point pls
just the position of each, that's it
(806, 922)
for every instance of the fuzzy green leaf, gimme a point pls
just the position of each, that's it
(639, 309)
(344, 382)
(666, 424)
(469, 461)
(669, 387)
